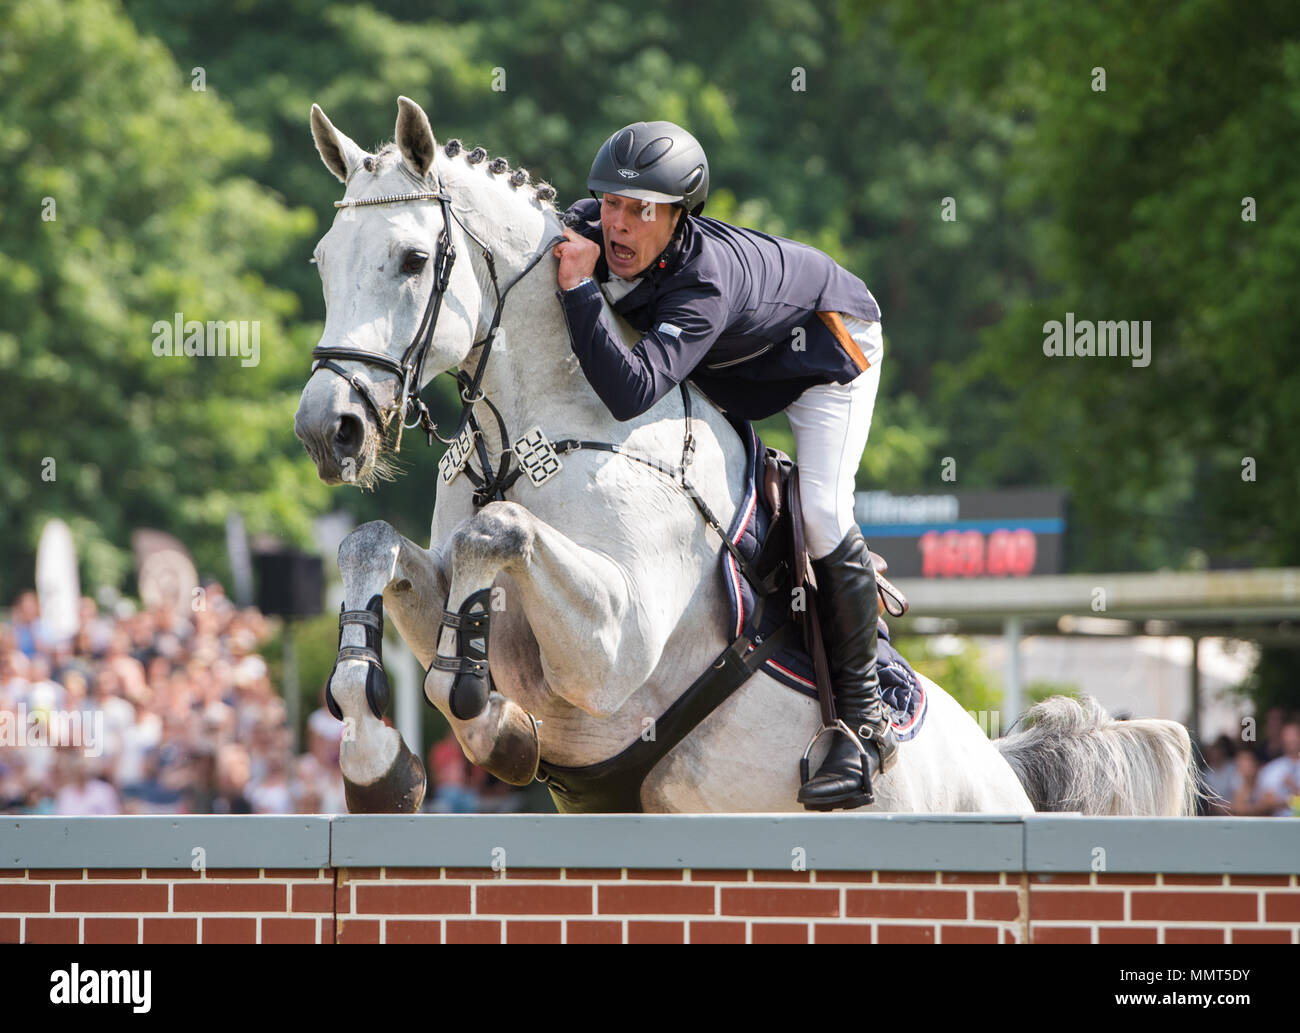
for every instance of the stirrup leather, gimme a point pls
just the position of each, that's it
(886, 742)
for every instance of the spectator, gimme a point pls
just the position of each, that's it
(140, 742)
(271, 794)
(324, 734)
(457, 782)
(83, 791)
(1245, 800)
(93, 636)
(13, 676)
(232, 779)
(30, 633)
(187, 719)
(319, 787)
(1274, 719)
(215, 598)
(1219, 774)
(42, 693)
(1279, 780)
(127, 670)
(75, 688)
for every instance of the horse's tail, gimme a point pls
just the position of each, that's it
(1072, 756)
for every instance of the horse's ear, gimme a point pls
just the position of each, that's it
(415, 136)
(339, 153)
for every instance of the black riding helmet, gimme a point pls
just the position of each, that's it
(653, 161)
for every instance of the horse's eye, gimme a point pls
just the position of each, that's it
(414, 261)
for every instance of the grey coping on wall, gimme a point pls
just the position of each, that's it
(164, 841)
(770, 841)
(897, 842)
(1255, 846)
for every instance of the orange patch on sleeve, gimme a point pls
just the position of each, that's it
(836, 326)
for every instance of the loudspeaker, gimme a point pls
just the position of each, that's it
(290, 583)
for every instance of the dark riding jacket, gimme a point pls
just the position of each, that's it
(721, 306)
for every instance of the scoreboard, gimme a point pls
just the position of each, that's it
(1008, 533)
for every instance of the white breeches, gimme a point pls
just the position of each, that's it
(831, 423)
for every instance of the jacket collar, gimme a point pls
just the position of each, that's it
(671, 256)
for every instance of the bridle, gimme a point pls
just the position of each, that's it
(409, 371)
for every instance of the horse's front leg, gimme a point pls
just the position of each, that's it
(380, 773)
(597, 645)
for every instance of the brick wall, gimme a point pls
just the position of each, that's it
(1106, 908)
(619, 905)
(162, 905)
(582, 905)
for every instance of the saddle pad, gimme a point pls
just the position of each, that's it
(900, 688)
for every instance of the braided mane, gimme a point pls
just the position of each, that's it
(497, 168)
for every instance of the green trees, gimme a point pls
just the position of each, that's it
(124, 202)
(1154, 175)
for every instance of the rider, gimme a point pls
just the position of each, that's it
(759, 324)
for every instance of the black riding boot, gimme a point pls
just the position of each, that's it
(847, 602)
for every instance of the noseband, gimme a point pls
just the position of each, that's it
(410, 370)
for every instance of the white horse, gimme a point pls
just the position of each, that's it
(602, 584)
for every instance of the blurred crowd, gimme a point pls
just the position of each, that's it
(1252, 779)
(175, 713)
(166, 713)
(158, 712)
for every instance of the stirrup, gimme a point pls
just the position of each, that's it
(839, 726)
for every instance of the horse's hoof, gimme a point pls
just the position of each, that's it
(517, 751)
(400, 790)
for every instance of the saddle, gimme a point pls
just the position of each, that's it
(780, 492)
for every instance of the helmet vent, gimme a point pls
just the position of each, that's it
(653, 151)
(623, 148)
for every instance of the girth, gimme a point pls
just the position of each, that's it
(614, 785)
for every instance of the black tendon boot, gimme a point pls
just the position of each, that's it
(847, 602)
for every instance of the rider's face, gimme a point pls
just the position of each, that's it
(635, 232)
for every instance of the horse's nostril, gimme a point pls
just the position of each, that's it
(348, 435)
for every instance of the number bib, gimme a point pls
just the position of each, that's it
(456, 456)
(536, 456)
